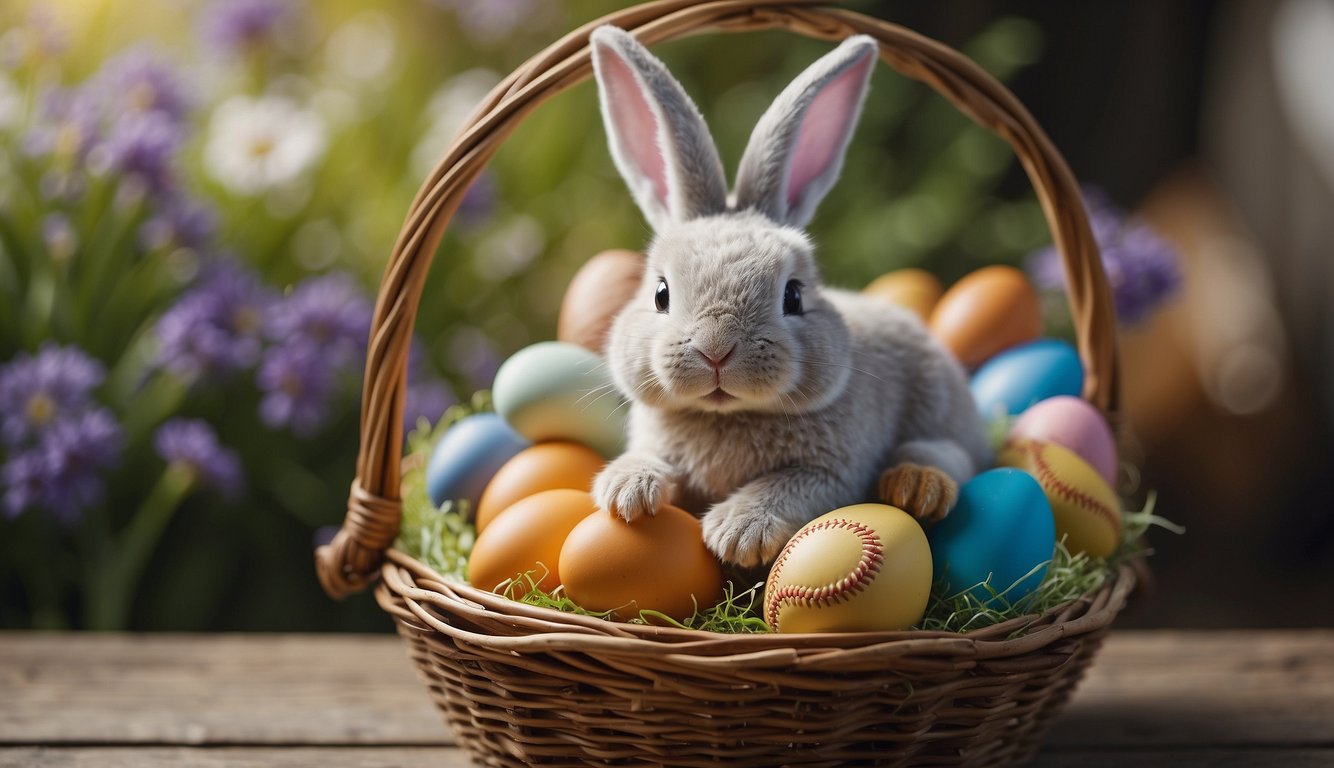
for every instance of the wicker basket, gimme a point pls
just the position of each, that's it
(522, 685)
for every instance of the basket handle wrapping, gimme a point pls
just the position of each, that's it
(348, 562)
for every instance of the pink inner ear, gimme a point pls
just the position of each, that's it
(824, 128)
(637, 126)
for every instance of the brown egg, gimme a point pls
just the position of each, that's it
(656, 563)
(987, 311)
(915, 289)
(528, 537)
(599, 290)
(542, 467)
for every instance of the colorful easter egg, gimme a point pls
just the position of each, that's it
(1086, 510)
(528, 537)
(1017, 378)
(861, 568)
(1074, 424)
(657, 562)
(914, 289)
(544, 466)
(558, 391)
(987, 311)
(1001, 530)
(467, 456)
(601, 287)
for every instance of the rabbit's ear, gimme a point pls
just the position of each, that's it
(658, 138)
(796, 150)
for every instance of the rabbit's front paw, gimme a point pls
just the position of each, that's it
(632, 486)
(926, 493)
(742, 532)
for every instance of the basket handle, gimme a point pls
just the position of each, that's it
(347, 563)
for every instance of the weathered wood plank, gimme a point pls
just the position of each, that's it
(215, 757)
(1190, 758)
(446, 757)
(1147, 691)
(217, 689)
(1205, 688)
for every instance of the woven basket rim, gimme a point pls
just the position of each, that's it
(547, 629)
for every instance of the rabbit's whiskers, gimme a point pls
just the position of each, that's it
(804, 361)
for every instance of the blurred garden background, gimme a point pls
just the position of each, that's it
(197, 200)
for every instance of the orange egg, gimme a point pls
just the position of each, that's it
(599, 290)
(989, 310)
(657, 562)
(528, 537)
(915, 289)
(542, 467)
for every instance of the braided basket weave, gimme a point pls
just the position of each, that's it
(522, 685)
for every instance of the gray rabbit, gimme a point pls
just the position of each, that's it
(759, 397)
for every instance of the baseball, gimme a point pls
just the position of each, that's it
(861, 568)
(1087, 512)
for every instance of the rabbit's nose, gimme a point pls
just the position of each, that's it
(715, 359)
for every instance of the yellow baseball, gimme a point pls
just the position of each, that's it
(861, 568)
(1086, 509)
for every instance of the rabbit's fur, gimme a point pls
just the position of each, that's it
(759, 418)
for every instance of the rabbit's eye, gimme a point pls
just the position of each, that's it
(661, 297)
(792, 298)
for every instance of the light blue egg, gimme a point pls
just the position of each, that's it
(558, 391)
(468, 455)
(1021, 376)
(1001, 528)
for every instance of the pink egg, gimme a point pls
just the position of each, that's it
(1073, 424)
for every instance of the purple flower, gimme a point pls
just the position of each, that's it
(298, 384)
(59, 236)
(427, 399)
(178, 223)
(494, 20)
(67, 126)
(39, 38)
(214, 328)
(192, 443)
(142, 81)
(62, 472)
(1142, 268)
(318, 336)
(38, 391)
(479, 202)
(142, 147)
(329, 312)
(476, 355)
(235, 26)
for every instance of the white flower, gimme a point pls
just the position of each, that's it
(362, 49)
(11, 104)
(449, 107)
(256, 144)
(510, 249)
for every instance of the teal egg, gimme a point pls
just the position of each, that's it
(1001, 527)
(1021, 376)
(558, 391)
(468, 455)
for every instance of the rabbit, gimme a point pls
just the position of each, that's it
(759, 398)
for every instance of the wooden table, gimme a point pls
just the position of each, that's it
(1152, 699)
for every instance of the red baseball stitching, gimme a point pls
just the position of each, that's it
(1048, 476)
(846, 588)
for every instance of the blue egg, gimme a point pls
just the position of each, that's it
(468, 455)
(1021, 376)
(1001, 528)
